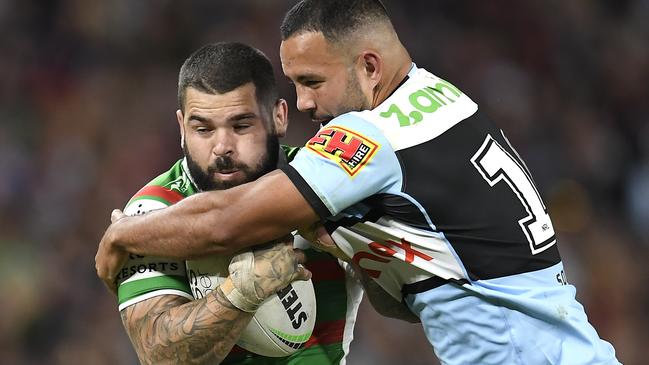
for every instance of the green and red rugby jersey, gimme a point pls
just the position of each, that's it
(337, 294)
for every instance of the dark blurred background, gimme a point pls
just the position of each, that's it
(87, 101)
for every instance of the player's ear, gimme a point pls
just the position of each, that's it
(280, 117)
(372, 67)
(181, 126)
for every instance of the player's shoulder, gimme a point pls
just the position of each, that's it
(355, 119)
(166, 189)
(422, 107)
(357, 125)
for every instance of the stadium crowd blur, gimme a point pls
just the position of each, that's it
(87, 102)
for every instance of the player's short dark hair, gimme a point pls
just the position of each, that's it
(336, 19)
(223, 67)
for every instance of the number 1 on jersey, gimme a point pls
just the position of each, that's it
(495, 164)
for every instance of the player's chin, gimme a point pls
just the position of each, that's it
(229, 182)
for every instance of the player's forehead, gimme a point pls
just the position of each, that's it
(241, 100)
(308, 52)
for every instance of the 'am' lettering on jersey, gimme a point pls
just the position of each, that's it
(350, 150)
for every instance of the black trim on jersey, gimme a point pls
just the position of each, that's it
(399, 208)
(404, 178)
(428, 284)
(303, 187)
(372, 215)
(330, 226)
(385, 205)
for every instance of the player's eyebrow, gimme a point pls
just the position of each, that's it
(199, 118)
(307, 77)
(241, 116)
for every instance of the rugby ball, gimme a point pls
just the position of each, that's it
(283, 323)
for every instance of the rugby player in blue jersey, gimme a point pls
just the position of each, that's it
(418, 189)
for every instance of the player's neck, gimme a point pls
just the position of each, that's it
(394, 76)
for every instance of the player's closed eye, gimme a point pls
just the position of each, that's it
(203, 130)
(312, 83)
(241, 127)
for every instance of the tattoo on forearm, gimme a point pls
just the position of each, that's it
(171, 329)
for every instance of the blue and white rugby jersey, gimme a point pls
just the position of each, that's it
(430, 199)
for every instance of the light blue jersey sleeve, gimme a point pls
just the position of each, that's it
(347, 161)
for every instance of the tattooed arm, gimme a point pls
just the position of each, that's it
(173, 330)
(170, 329)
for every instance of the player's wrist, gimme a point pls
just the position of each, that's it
(122, 234)
(115, 235)
(237, 298)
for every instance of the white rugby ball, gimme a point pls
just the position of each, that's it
(283, 323)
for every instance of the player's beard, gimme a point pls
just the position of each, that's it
(204, 179)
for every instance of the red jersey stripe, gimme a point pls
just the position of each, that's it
(327, 333)
(171, 196)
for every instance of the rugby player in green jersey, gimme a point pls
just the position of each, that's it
(230, 119)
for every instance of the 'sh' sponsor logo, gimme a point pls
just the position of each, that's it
(350, 150)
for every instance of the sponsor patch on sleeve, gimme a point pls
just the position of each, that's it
(348, 149)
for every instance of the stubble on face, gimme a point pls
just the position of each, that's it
(352, 100)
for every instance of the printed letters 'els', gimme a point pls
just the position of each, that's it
(350, 150)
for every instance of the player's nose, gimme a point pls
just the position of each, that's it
(305, 101)
(223, 143)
